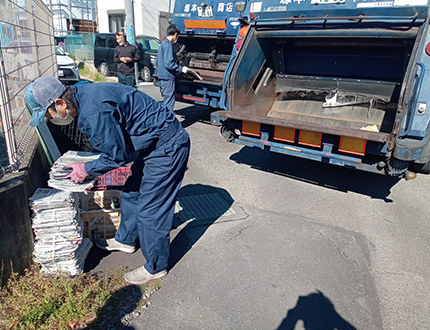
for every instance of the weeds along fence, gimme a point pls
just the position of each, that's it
(27, 51)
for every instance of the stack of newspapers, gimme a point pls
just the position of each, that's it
(59, 246)
(59, 171)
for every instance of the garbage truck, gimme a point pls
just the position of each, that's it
(208, 33)
(345, 82)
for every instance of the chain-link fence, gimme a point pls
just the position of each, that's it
(27, 51)
(79, 45)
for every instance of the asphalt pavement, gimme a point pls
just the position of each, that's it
(266, 241)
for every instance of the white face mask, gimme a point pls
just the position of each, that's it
(121, 44)
(62, 121)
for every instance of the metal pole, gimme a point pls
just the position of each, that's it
(136, 65)
(131, 33)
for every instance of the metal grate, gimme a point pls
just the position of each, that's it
(202, 207)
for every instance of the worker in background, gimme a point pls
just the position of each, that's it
(125, 55)
(167, 66)
(124, 125)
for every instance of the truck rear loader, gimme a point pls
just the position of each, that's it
(340, 81)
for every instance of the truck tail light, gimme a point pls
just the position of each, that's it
(243, 30)
(242, 34)
(428, 49)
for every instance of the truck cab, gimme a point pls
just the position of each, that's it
(339, 81)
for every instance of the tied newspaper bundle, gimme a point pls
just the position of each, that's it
(59, 171)
(59, 246)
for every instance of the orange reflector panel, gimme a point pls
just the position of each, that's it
(284, 134)
(352, 145)
(309, 138)
(251, 128)
(194, 24)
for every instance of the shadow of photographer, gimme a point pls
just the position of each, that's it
(317, 313)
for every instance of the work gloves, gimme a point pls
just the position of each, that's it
(185, 69)
(78, 174)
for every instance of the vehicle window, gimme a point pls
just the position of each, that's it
(154, 44)
(148, 44)
(59, 51)
(111, 42)
(101, 42)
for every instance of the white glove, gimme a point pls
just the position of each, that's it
(185, 69)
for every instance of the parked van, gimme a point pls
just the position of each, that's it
(104, 48)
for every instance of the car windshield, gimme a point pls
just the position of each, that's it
(59, 51)
(148, 44)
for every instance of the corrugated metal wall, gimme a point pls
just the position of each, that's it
(27, 51)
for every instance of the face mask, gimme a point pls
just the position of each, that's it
(121, 44)
(62, 121)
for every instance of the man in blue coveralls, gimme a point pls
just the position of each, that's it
(167, 66)
(124, 125)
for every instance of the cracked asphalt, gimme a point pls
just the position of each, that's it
(305, 245)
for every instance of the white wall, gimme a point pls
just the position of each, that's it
(105, 6)
(145, 14)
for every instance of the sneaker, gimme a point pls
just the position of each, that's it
(141, 276)
(112, 244)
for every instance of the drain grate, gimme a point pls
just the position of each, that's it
(201, 207)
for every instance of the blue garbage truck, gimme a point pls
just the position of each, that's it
(345, 82)
(208, 34)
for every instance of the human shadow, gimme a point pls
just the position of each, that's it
(195, 113)
(317, 313)
(121, 303)
(200, 206)
(374, 185)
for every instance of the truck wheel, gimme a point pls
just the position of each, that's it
(145, 74)
(228, 134)
(103, 68)
(422, 168)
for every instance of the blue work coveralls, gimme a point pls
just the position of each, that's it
(127, 125)
(166, 71)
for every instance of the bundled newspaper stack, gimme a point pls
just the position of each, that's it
(59, 171)
(59, 246)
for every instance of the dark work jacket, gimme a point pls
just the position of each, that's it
(120, 122)
(166, 61)
(126, 51)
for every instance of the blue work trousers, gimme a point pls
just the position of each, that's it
(149, 197)
(168, 87)
(128, 79)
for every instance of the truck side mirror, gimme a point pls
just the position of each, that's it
(240, 7)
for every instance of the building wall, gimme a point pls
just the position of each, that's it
(146, 15)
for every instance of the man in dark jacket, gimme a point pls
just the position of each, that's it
(167, 66)
(125, 55)
(125, 125)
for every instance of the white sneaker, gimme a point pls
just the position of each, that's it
(141, 276)
(112, 244)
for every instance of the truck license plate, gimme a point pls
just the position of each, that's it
(205, 11)
(322, 2)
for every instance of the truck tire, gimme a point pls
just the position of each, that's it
(422, 168)
(228, 134)
(103, 68)
(145, 74)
